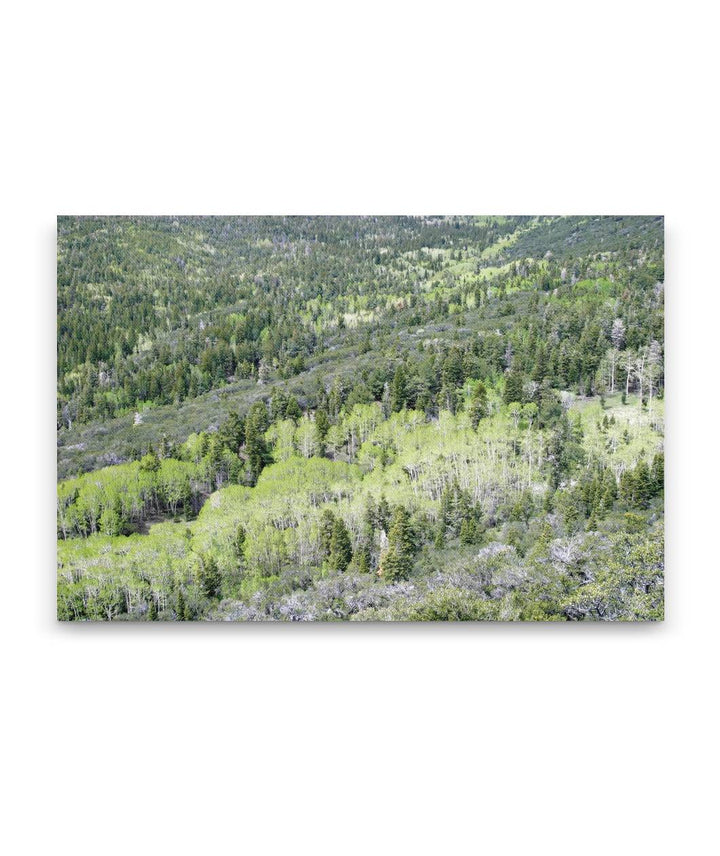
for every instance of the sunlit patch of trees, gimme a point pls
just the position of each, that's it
(432, 421)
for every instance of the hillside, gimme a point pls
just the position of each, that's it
(372, 418)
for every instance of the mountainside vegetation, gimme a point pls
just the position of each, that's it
(365, 418)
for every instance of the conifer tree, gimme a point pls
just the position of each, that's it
(322, 423)
(513, 387)
(398, 391)
(239, 543)
(340, 546)
(256, 448)
(327, 526)
(293, 409)
(657, 474)
(210, 578)
(643, 485)
(396, 561)
(181, 605)
(364, 560)
(382, 515)
(478, 404)
(469, 531)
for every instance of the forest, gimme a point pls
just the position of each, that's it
(360, 418)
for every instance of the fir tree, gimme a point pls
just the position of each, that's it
(327, 527)
(478, 404)
(398, 391)
(239, 543)
(513, 387)
(469, 531)
(293, 410)
(396, 561)
(210, 577)
(181, 605)
(340, 546)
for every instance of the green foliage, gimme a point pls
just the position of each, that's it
(340, 546)
(400, 418)
(396, 561)
(210, 577)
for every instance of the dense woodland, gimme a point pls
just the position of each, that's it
(367, 418)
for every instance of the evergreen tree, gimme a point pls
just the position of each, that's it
(239, 543)
(513, 387)
(256, 449)
(382, 515)
(643, 485)
(293, 409)
(327, 527)
(398, 391)
(478, 404)
(657, 474)
(396, 562)
(322, 423)
(364, 561)
(181, 605)
(340, 546)
(210, 578)
(469, 531)
(232, 433)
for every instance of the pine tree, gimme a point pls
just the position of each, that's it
(643, 485)
(293, 409)
(513, 387)
(398, 391)
(232, 433)
(469, 531)
(478, 404)
(181, 605)
(256, 448)
(657, 474)
(364, 561)
(152, 611)
(210, 577)
(396, 561)
(239, 543)
(322, 423)
(327, 526)
(382, 515)
(340, 546)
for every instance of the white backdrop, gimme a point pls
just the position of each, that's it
(356, 739)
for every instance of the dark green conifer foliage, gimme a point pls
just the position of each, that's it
(327, 526)
(513, 387)
(210, 577)
(258, 454)
(322, 423)
(643, 485)
(657, 474)
(478, 404)
(469, 533)
(181, 605)
(293, 409)
(340, 546)
(239, 543)
(383, 513)
(364, 561)
(396, 562)
(398, 391)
